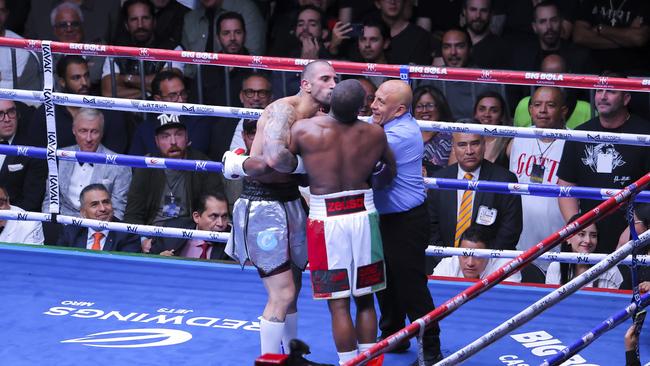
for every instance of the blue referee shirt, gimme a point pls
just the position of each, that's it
(407, 189)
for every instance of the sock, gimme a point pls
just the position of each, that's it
(270, 336)
(347, 356)
(290, 330)
(365, 346)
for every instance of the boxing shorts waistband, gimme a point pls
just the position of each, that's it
(341, 203)
(281, 192)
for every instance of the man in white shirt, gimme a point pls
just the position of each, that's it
(537, 161)
(475, 237)
(16, 231)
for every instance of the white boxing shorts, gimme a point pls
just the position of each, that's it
(344, 245)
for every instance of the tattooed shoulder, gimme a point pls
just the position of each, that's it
(278, 121)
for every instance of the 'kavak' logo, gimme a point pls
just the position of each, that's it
(133, 338)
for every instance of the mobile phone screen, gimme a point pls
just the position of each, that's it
(357, 30)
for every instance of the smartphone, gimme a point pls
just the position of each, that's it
(638, 321)
(356, 31)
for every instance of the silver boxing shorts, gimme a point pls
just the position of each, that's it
(269, 228)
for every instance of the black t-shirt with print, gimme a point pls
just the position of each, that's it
(579, 165)
(620, 14)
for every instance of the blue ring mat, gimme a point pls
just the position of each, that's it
(49, 295)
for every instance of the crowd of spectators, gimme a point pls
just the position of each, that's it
(578, 36)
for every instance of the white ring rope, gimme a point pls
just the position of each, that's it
(144, 230)
(249, 113)
(562, 257)
(547, 301)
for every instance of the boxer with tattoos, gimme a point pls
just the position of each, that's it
(269, 218)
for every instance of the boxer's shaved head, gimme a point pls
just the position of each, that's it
(347, 98)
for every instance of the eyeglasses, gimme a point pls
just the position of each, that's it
(174, 97)
(4, 201)
(422, 107)
(9, 114)
(66, 25)
(262, 93)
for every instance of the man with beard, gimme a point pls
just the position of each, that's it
(547, 23)
(168, 86)
(373, 46)
(456, 51)
(157, 196)
(140, 23)
(488, 50)
(74, 78)
(222, 84)
(602, 164)
(268, 218)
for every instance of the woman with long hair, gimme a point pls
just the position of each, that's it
(584, 241)
(429, 104)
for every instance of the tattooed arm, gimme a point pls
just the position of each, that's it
(277, 132)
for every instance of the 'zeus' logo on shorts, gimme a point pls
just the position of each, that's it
(345, 205)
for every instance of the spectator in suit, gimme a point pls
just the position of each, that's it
(88, 129)
(211, 214)
(96, 205)
(23, 177)
(476, 237)
(169, 86)
(17, 231)
(452, 212)
(140, 23)
(73, 77)
(157, 196)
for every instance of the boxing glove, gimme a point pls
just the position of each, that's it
(233, 164)
(300, 167)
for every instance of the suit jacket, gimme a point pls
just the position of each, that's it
(77, 237)
(116, 179)
(23, 232)
(160, 244)
(148, 185)
(443, 207)
(24, 177)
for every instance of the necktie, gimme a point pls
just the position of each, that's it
(204, 250)
(210, 13)
(97, 242)
(464, 213)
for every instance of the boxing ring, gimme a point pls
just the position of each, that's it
(68, 307)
